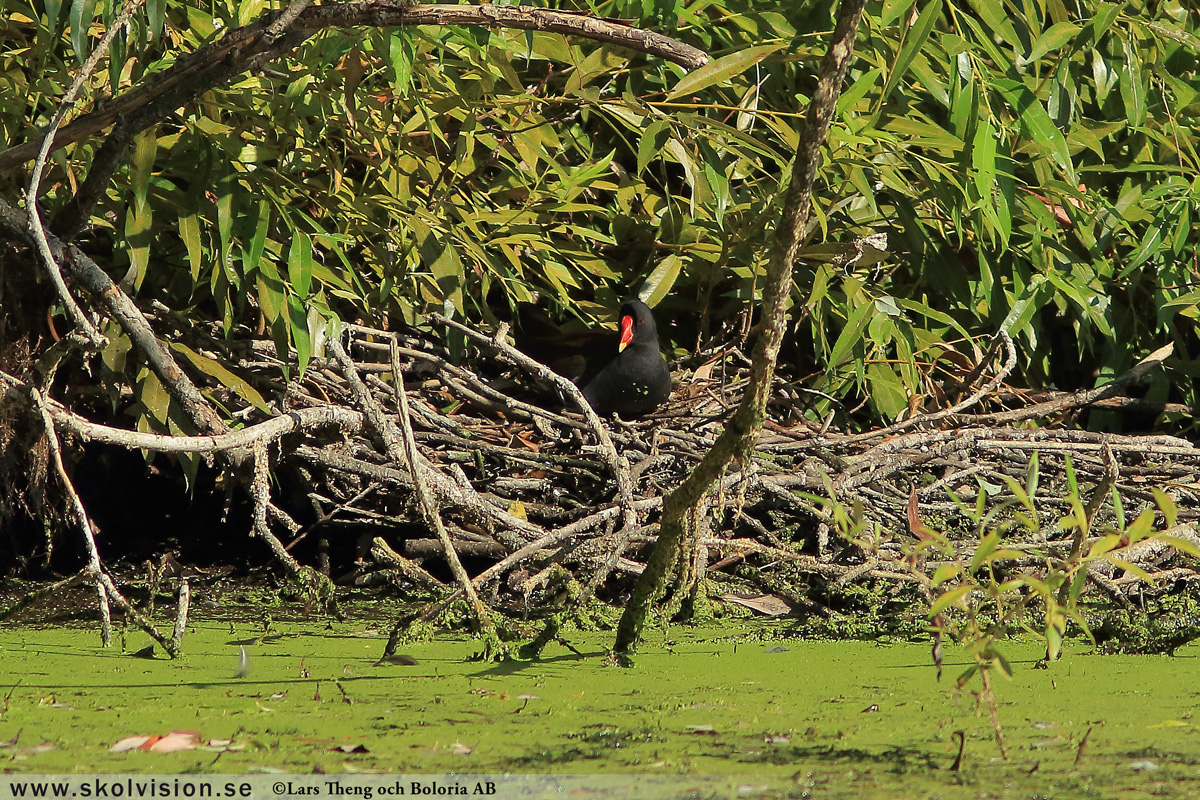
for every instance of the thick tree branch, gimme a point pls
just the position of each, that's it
(737, 440)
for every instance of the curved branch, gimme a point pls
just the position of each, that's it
(248, 47)
(269, 430)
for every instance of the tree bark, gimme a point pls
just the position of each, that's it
(739, 436)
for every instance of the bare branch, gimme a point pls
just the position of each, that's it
(49, 262)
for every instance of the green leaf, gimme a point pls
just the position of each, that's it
(944, 573)
(1024, 307)
(447, 270)
(1105, 544)
(887, 392)
(995, 16)
(1166, 504)
(225, 225)
(53, 8)
(851, 334)
(948, 599)
(893, 10)
(1165, 29)
(1001, 663)
(987, 546)
(1133, 90)
(914, 39)
(401, 53)
(253, 254)
(144, 150)
(1032, 475)
(722, 69)
(138, 223)
(300, 264)
(983, 159)
(298, 328)
(189, 231)
(658, 284)
(1054, 637)
(249, 10)
(272, 298)
(651, 143)
(154, 396)
(1132, 569)
(1043, 135)
(1142, 526)
(1182, 545)
(156, 14)
(1053, 38)
(215, 369)
(1105, 15)
(82, 12)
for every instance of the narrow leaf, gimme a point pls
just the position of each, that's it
(229, 380)
(722, 69)
(300, 264)
(914, 40)
(658, 285)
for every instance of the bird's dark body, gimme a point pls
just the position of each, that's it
(631, 382)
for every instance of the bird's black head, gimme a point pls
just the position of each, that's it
(637, 325)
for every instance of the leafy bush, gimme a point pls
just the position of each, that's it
(1032, 166)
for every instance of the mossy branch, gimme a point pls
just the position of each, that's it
(737, 440)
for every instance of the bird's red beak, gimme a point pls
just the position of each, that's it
(626, 332)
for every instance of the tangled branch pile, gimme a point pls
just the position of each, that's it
(533, 499)
(532, 493)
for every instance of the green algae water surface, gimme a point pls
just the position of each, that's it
(698, 710)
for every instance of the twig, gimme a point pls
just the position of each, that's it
(181, 613)
(35, 178)
(81, 515)
(482, 616)
(1079, 399)
(382, 552)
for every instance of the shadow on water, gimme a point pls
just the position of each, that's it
(899, 759)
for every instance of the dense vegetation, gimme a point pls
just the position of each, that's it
(1031, 166)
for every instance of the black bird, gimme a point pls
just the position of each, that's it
(622, 373)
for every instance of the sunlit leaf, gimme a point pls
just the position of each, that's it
(722, 69)
(658, 284)
(914, 39)
(300, 264)
(82, 12)
(949, 598)
(297, 322)
(229, 380)
(1051, 39)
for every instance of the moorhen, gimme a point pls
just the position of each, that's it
(622, 373)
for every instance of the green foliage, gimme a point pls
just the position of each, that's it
(1033, 166)
(1013, 575)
